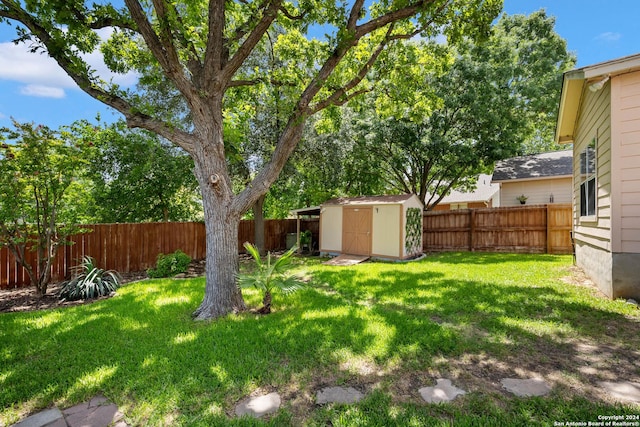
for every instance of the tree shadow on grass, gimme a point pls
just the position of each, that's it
(504, 330)
(143, 347)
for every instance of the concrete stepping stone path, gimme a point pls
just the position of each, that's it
(259, 406)
(626, 391)
(526, 388)
(98, 412)
(48, 417)
(338, 395)
(444, 391)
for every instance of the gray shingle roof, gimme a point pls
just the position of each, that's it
(536, 166)
(484, 191)
(369, 200)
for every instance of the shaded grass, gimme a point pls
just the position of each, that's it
(369, 326)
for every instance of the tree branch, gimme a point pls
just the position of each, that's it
(215, 50)
(338, 95)
(235, 62)
(291, 16)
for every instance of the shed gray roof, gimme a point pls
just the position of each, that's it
(536, 166)
(369, 200)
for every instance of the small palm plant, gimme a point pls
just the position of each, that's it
(270, 276)
(89, 281)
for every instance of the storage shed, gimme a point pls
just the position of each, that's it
(387, 227)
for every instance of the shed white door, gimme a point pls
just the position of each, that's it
(356, 231)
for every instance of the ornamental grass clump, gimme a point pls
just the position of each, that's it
(270, 276)
(89, 282)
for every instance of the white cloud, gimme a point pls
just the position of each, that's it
(42, 91)
(608, 37)
(38, 70)
(18, 64)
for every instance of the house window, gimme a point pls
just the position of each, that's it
(456, 206)
(588, 180)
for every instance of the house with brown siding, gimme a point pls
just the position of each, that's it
(600, 114)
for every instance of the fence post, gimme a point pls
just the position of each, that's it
(548, 228)
(472, 227)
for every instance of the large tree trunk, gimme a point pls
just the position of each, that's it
(222, 295)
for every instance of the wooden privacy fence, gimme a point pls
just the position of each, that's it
(528, 229)
(135, 247)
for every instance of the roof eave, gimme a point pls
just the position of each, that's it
(534, 178)
(573, 85)
(570, 99)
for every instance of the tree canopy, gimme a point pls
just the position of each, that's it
(37, 169)
(435, 128)
(203, 51)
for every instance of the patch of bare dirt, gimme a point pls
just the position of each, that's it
(26, 299)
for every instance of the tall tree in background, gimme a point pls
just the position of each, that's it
(201, 49)
(435, 131)
(135, 177)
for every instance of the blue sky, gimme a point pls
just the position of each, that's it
(34, 89)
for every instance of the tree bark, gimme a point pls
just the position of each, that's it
(222, 295)
(258, 232)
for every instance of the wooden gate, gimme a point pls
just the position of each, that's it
(356, 230)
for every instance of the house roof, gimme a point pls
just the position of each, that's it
(574, 83)
(484, 191)
(370, 200)
(553, 164)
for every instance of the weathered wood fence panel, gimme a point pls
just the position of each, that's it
(528, 229)
(135, 247)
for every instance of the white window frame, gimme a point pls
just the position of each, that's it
(588, 196)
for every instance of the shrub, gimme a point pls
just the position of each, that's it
(270, 276)
(89, 282)
(170, 265)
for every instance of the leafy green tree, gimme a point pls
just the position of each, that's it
(435, 131)
(37, 168)
(328, 163)
(135, 176)
(203, 50)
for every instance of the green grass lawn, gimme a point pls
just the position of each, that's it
(386, 329)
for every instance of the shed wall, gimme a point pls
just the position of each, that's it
(331, 229)
(386, 231)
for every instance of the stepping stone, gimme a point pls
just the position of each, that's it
(50, 417)
(338, 395)
(624, 390)
(526, 388)
(258, 406)
(444, 391)
(98, 412)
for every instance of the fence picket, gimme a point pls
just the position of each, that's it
(134, 247)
